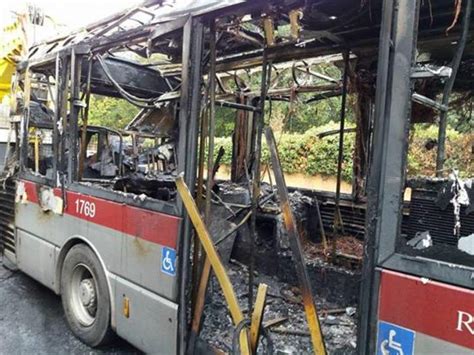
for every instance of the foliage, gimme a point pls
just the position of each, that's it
(304, 153)
(225, 121)
(307, 154)
(297, 117)
(422, 161)
(110, 112)
(460, 116)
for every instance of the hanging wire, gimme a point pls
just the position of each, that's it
(134, 100)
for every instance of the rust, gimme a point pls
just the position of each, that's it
(141, 249)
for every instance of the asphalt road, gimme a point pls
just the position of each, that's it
(32, 321)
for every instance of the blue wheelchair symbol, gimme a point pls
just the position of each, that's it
(168, 261)
(394, 340)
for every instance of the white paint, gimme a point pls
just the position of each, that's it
(20, 196)
(4, 135)
(49, 201)
(460, 198)
(85, 208)
(465, 322)
(466, 244)
(422, 240)
(424, 280)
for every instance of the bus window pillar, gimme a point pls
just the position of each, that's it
(189, 114)
(397, 47)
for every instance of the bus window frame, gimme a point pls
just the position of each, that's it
(25, 172)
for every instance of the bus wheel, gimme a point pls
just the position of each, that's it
(85, 296)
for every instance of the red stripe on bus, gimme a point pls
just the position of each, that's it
(31, 191)
(432, 308)
(152, 226)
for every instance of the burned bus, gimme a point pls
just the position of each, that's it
(94, 213)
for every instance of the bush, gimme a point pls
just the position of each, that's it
(307, 154)
(422, 161)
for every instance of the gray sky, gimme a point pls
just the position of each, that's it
(72, 13)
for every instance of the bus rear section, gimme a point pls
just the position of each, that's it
(419, 315)
(417, 292)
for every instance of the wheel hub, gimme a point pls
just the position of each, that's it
(87, 293)
(84, 293)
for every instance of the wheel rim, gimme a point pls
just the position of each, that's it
(83, 291)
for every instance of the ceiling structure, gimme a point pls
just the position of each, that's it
(324, 27)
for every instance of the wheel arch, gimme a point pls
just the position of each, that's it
(72, 241)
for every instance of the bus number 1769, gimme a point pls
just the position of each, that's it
(85, 208)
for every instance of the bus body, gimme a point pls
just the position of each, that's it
(133, 238)
(112, 255)
(117, 255)
(109, 242)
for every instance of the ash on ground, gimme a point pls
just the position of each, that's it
(283, 303)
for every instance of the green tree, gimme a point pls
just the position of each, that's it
(225, 121)
(111, 112)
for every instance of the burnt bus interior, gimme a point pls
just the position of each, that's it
(180, 70)
(105, 156)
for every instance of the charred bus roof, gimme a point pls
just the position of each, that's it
(325, 27)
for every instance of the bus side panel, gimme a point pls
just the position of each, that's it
(58, 229)
(420, 316)
(132, 242)
(128, 242)
(36, 257)
(148, 321)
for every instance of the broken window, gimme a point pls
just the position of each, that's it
(40, 126)
(102, 154)
(438, 208)
(40, 157)
(438, 219)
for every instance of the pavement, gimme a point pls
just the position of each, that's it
(32, 321)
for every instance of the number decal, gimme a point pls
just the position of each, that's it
(85, 208)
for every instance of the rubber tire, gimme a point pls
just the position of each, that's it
(100, 332)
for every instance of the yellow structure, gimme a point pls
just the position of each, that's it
(12, 47)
